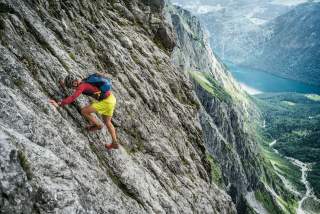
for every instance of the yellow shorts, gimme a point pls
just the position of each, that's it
(106, 106)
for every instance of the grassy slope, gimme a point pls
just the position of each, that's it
(211, 86)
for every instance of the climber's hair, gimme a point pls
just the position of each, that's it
(69, 80)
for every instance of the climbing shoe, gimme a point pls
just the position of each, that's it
(112, 146)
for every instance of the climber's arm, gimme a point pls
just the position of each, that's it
(69, 99)
(73, 97)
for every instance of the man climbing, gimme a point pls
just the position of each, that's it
(98, 87)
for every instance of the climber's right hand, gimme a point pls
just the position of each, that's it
(55, 103)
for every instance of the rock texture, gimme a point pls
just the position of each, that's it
(48, 163)
(224, 119)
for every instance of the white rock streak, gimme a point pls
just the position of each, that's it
(255, 204)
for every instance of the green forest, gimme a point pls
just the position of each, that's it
(293, 120)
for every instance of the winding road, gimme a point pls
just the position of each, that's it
(304, 170)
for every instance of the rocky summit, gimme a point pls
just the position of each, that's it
(49, 163)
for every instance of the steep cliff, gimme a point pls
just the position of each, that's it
(230, 121)
(49, 164)
(225, 108)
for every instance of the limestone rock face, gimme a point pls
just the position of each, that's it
(49, 163)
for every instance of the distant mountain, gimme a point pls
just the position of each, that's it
(292, 46)
(278, 36)
(230, 23)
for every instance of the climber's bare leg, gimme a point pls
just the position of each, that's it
(87, 112)
(108, 121)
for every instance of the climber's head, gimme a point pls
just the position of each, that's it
(71, 81)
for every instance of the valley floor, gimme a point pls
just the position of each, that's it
(293, 120)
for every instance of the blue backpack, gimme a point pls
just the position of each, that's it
(101, 82)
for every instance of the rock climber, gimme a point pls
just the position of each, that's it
(99, 87)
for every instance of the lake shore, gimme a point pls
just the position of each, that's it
(256, 81)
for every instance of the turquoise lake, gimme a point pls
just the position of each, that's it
(255, 82)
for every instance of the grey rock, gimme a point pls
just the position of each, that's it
(124, 11)
(166, 36)
(160, 166)
(14, 185)
(125, 42)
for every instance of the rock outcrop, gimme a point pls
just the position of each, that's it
(49, 164)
